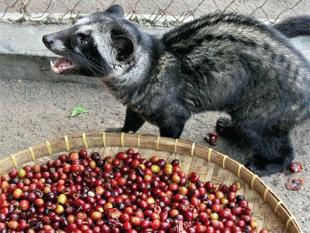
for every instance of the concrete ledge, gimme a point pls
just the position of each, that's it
(23, 55)
(25, 39)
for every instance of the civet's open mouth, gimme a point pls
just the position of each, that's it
(62, 66)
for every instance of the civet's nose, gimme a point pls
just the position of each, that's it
(48, 40)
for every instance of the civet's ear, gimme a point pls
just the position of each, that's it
(116, 10)
(123, 45)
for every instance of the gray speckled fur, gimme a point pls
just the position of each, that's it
(221, 62)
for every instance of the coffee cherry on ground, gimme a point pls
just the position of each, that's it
(212, 138)
(295, 167)
(294, 184)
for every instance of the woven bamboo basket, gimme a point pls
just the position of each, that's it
(268, 209)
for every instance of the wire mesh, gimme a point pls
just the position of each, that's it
(148, 12)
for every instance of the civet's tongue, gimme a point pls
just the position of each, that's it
(62, 65)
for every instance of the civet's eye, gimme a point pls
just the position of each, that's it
(83, 40)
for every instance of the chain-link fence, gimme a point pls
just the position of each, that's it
(147, 12)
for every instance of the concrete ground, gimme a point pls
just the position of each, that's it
(31, 112)
(34, 106)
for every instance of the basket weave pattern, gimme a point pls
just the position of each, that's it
(268, 210)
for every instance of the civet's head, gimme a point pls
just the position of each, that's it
(100, 44)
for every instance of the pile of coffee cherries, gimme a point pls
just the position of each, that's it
(84, 193)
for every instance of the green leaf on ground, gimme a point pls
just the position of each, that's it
(77, 110)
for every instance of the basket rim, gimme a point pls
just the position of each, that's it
(158, 143)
